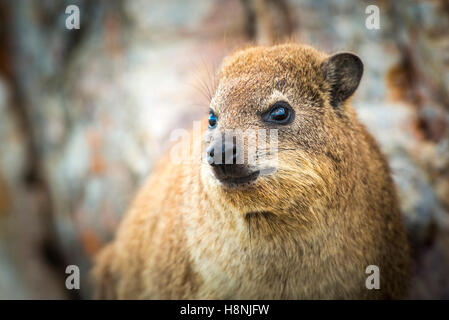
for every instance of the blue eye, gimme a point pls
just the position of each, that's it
(279, 113)
(212, 120)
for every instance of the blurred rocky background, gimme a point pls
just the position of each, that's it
(84, 113)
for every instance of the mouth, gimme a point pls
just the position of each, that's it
(239, 181)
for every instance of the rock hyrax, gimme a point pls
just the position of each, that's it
(306, 225)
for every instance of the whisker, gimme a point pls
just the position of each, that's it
(206, 82)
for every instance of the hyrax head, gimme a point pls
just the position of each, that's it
(276, 110)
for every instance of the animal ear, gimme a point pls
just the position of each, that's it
(343, 72)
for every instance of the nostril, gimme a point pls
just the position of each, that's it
(210, 156)
(210, 152)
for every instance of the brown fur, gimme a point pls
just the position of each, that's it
(308, 230)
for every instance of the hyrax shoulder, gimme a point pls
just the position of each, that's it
(299, 211)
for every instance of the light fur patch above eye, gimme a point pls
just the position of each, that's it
(275, 96)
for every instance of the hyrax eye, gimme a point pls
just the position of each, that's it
(279, 113)
(212, 120)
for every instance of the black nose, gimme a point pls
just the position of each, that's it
(224, 154)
